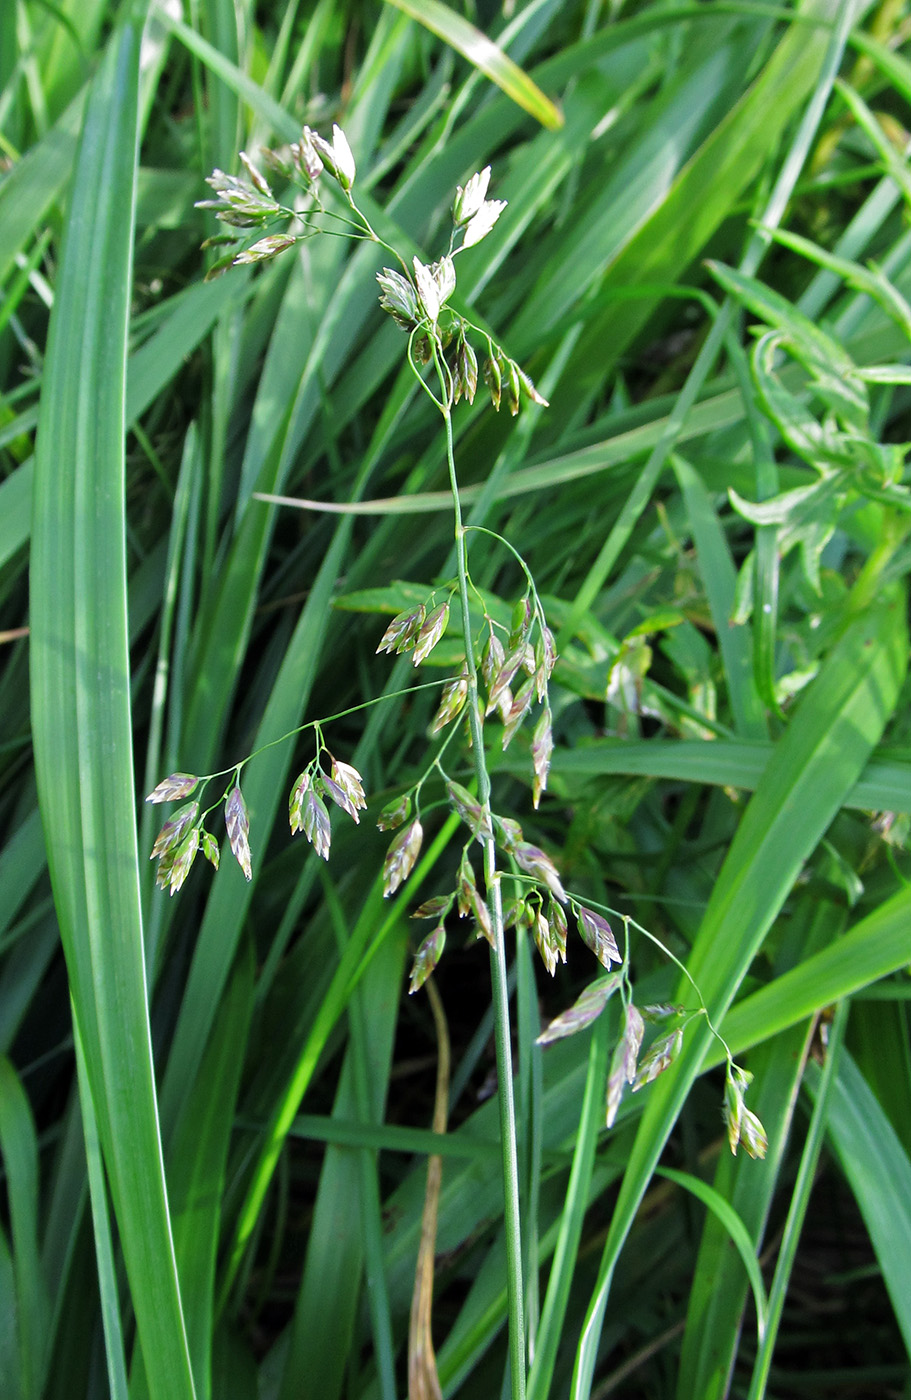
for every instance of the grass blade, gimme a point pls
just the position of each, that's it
(737, 1232)
(872, 949)
(81, 695)
(20, 1158)
(884, 785)
(814, 766)
(556, 1299)
(487, 56)
(104, 1244)
(799, 1201)
(879, 1174)
(719, 577)
(37, 180)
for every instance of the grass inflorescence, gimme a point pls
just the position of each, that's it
(500, 536)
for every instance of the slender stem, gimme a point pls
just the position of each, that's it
(799, 1201)
(514, 1286)
(312, 723)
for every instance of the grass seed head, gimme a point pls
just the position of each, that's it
(402, 632)
(534, 862)
(623, 1061)
(237, 823)
(169, 789)
(427, 957)
(172, 833)
(597, 935)
(183, 860)
(468, 201)
(430, 632)
(315, 823)
(401, 856)
(395, 813)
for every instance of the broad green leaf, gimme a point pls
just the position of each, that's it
(81, 698)
(884, 785)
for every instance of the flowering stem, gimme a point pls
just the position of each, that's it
(502, 1037)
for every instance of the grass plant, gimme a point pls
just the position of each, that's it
(239, 1160)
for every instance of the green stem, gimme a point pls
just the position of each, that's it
(502, 1038)
(799, 1201)
(893, 530)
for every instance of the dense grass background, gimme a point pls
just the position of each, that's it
(215, 1110)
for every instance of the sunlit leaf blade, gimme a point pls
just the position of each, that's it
(81, 695)
(485, 55)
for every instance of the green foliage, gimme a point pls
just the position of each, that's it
(683, 588)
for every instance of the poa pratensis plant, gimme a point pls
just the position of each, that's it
(505, 672)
